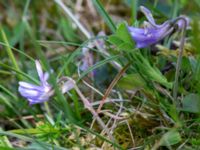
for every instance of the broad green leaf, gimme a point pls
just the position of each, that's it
(6, 148)
(123, 33)
(191, 103)
(170, 138)
(18, 33)
(131, 81)
(125, 46)
(4, 142)
(195, 141)
(115, 40)
(150, 72)
(122, 39)
(173, 113)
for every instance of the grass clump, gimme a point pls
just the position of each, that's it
(107, 93)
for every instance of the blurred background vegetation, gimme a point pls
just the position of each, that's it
(40, 29)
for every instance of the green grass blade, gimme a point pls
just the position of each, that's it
(133, 11)
(18, 51)
(29, 139)
(105, 15)
(8, 92)
(19, 72)
(9, 51)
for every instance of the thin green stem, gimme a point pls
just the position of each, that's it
(46, 105)
(175, 8)
(105, 15)
(134, 4)
(155, 3)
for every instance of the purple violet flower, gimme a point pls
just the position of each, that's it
(34, 93)
(152, 33)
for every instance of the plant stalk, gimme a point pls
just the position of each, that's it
(179, 60)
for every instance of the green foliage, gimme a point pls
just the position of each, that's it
(5, 143)
(122, 39)
(170, 138)
(132, 82)
(191, 103)
(150, 72)
(139, 111)
(68, 31)
(104, 15)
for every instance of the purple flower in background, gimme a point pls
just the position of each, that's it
(152, 33)
(87, 61)
(37, 93)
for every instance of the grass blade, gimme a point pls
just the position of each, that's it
(105, 15)
(9, 51)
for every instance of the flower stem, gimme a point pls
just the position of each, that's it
(179, 60)
(46, 106)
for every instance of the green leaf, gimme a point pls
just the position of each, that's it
(197, 2)
(170, 138)
(191, 103)
(6, 148)
(18, 33)
(131, 81)
(126, 46)
(150, 72)
(115, 40)
(69, 34)
(28, 138)
(5, 143)
(122, 39)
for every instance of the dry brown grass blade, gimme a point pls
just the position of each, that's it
(113, 83)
